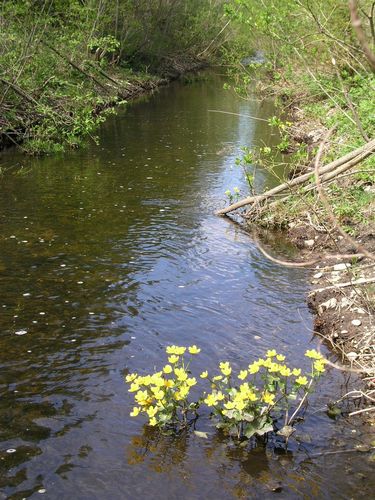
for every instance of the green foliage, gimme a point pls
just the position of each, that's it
(64, 64)
(314, 64)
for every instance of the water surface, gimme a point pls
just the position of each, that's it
(110, 253)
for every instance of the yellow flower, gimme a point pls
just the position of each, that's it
(210, 400)
(157, 380)
(170, 349)
(194, 349)
(145, 380)
(230, 405)
(313, 354)
(184, 391)
(159, 395)
(268, 363)
(280, 357)
(254, 368)
(136, 411)
(242, 375)
(274, 368)
(220, 396)
(168, 383)
(225, 368)
(285, 371)
(191, 381)
(167, 369)
(153, 421)
(204, 374)
(218, 377)
(141, 397)
(271, 353)
(173, 359)
(131, 377)
(152, 411)
(181, 374)
(252, 396)
(301, 381)
(240, 405)
(134, 387)
(268, 398)
(296, 372)
(319, 366)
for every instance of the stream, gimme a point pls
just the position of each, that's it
(112, 252)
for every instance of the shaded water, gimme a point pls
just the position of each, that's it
(109, 254)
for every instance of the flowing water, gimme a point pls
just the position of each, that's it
(110, 253)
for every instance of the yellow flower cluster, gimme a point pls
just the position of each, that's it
(162, 395)
(156, 395)
(313, 354)
(271, 366)
(319, 361)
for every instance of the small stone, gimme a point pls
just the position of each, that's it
(317, 276)
(329, 304)
(309, 243)
(352, 356)
(11, 450)
(344, 331)
(345, 302)
(363, 448)
(341, 267)
(356, 322)
(20, 332)
(360, 310)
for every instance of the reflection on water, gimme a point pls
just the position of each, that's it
(110, 253)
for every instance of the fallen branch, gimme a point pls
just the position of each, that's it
(331, 216)
(360, 281)
(345, 162)
(19, 91)
(306, 263)
(75, 66)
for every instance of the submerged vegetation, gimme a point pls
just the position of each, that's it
(265, 397)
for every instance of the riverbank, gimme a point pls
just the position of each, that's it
(332, 225)
(66, 67)
(325, 204)
(51, 132)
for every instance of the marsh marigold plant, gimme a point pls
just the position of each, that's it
(243, 404)
(164, 396)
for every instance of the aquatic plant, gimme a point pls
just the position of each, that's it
(163, 396)
(253, 402)
(261, 394)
